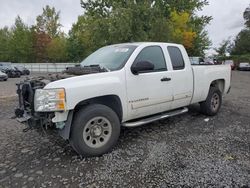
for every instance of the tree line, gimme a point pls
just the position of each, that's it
(106, 22)
(239, 47)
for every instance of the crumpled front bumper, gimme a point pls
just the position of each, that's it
(25, 111)
(26, 114)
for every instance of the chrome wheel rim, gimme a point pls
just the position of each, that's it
(97, 132)
(215, 102)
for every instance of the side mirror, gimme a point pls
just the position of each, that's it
(142, 66)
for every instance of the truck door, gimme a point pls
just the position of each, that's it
(149, 92)
(182, 76)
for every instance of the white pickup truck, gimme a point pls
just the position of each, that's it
(127, 85)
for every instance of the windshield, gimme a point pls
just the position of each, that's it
(110, 57)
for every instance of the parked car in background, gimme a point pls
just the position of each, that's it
(244, 67)
(9, 70)
(216, 61)
(231, 63)
(201, 61)
(17, 70)
(22, 70)
(196, 60)
(3, 76)
(10, 73)
(208, 61)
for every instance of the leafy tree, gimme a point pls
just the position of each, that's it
(57, 49)
(46, 29)
(181, 31)
(201, 41)
(112, 21)
(223, 49)
(75, 46)
(4, 44)
(21, 43)
(242, 44)
(246, 16)
(106, 22)
(48, 22)
(41, 43)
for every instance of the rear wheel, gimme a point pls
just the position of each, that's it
(213, 102)
(95, 130)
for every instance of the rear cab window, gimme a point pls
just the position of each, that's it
(176, 58)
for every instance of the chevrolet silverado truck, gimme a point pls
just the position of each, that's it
(129, 85)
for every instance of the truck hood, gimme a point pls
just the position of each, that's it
(83, 80)
(80, 88)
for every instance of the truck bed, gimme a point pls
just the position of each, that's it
(204, 76)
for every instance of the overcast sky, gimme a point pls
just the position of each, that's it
(227, 14)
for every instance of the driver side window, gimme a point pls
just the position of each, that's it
(154, 55)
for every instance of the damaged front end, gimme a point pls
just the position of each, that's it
(25, 113)
(44, 117)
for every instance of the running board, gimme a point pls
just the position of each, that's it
(156, 117)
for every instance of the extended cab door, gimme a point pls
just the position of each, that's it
(149, 92)
(181, 74)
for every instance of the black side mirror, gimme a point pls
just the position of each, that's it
(142, 66)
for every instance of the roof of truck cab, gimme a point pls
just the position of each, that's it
(145, 43)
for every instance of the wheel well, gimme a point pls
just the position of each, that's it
(220, 84)
(111, 101)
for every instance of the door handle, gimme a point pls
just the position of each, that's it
(166, 79)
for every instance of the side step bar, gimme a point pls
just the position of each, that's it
(156, 117)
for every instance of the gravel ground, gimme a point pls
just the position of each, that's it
(185, 151)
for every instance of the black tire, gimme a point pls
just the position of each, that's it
(212, 104)
(5, 79)
(83, 120)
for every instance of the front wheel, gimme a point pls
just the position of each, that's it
(212, 104)
(95, 130)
